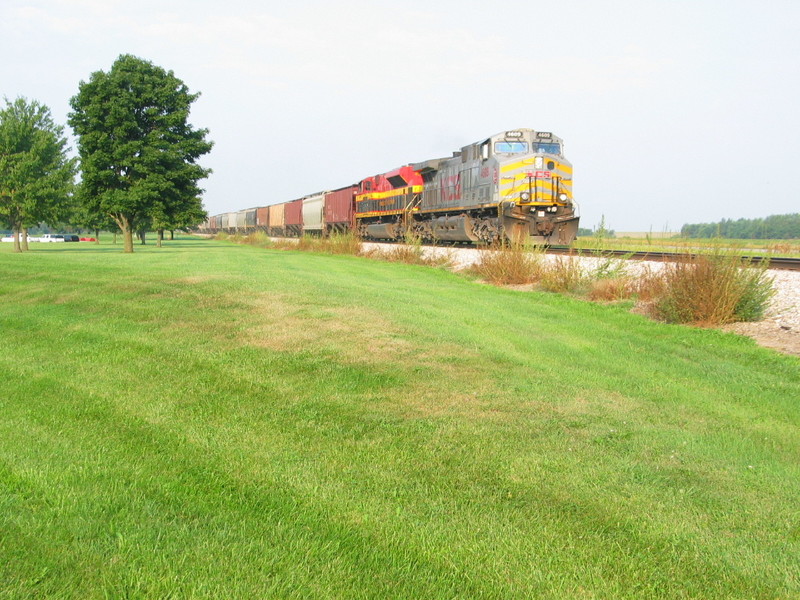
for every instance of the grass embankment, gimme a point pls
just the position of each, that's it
(217, 421)
(709, 288)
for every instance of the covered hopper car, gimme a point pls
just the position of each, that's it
(514, 186)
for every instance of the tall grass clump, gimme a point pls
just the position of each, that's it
(509, 265)
(564, 274)
(610, 289)
(609, 281)
(344, 243)
(714, 289)
(337, 243)
(257, 238)
(649, 284)
(308, 243)
(285, 243)
(411, 252)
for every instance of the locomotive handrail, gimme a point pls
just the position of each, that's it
(412, 204)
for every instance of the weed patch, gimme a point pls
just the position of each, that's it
(564, 274)
(509, 265)
(259, 239)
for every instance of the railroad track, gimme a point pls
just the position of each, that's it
(785, 264)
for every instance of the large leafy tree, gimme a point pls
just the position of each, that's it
(138, 151)
(36, 175)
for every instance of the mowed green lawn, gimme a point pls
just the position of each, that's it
(208, 420)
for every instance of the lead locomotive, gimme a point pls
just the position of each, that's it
(515, 185)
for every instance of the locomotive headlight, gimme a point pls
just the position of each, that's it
(562, 197)
(524, 196)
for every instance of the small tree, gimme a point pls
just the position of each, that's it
(36, 176)
(138, 151)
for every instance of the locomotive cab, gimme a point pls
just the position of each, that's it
(535, 185)
(533, 170)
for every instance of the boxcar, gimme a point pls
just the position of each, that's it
(293, 213)
(312, 214)
(339, 210)
(276, 220)
(241, 223)
(231, 225)
(250, 219)
(262, 218)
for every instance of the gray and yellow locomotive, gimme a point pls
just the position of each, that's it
(514, 186)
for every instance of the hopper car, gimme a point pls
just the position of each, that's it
(515, 186)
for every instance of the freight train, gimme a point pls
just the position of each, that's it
(515, 186)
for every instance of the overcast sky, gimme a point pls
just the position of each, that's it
(671, 111)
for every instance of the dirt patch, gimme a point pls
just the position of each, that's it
(770, 335)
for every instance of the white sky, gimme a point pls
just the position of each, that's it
(671, 111)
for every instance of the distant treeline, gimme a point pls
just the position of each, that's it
(774, 227)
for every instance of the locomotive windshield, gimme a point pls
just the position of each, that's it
(510, 147)
(548, 148)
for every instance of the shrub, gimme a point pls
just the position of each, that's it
(713, 289)
(649, 284)
(756, 292)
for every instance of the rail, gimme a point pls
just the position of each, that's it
(774, 262)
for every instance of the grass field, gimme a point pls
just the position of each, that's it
(209, 420)
(774, 248)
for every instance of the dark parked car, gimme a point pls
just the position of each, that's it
(71, 237)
